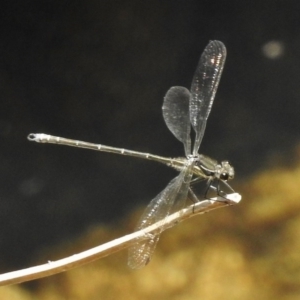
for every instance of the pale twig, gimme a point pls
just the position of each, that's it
(76, 260)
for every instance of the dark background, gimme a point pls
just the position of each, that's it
(98, 71)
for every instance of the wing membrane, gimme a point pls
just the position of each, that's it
(171, 198)
(176, 115)
(204, 87)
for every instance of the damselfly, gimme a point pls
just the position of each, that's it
(182, 109)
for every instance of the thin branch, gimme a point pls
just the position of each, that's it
(76, 260)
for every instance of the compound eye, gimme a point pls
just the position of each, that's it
(224, 176)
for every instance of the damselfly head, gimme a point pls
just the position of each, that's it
(224, 171)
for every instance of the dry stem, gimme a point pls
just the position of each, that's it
(76, 260)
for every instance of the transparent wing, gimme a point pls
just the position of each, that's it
(176, 114)
(204, 87)
(171, 198)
